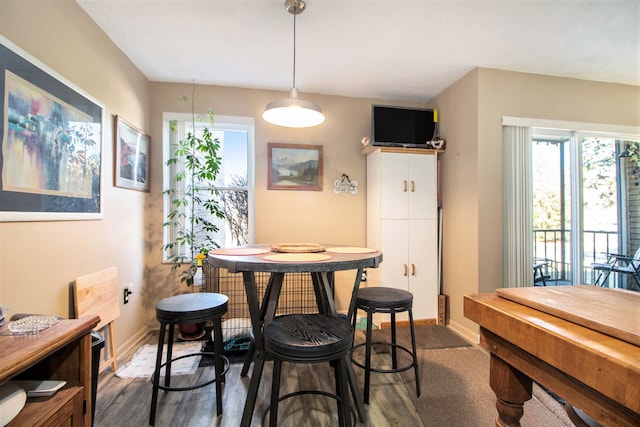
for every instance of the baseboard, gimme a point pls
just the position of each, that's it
(472, 336)
(132, 343)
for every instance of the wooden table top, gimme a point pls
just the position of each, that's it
(614, 312)
(337, 261)
(600, 361)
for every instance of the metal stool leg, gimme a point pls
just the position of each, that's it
(156, 376)
(275, 393)
(344, 412)
(415, 354)
(167, 368)
(367, 358)
(218, 350)
(248, 358)
(252, 393)
(394, 341)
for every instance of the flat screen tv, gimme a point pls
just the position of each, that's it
(401, 126)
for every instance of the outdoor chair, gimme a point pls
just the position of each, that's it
(618, 263)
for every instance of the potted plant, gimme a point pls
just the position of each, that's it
(193, 200)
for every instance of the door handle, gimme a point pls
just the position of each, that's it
(404, 185)
(413, 186)
(413, 269)
(405, 269)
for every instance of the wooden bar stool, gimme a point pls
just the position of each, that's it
(310, 338)
(391, 301)
(190, 308)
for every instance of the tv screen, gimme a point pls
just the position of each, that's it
(407, 127)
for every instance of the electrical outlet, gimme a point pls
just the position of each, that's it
(126, 293)
(363, 277)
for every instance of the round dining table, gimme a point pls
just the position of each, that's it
(321, 261)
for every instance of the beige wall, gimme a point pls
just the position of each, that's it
(459, 187)
(38, 260)
(282, 215)
(474, 238)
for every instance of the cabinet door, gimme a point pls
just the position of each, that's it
(422, 186)
(423, 273)
(394, 267)
(394, 185)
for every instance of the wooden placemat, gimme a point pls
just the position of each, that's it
(351, 250)
(240, 251)
(298, 257)
(615, 312)
(297, 248)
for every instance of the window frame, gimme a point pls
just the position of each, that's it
(221, 123)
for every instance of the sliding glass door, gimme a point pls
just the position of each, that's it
(586, 203)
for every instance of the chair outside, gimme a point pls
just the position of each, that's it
(618, 263)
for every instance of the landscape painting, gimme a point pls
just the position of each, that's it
(295, 167)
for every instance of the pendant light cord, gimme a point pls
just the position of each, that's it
(294, 50)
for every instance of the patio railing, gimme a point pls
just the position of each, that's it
(554, 246)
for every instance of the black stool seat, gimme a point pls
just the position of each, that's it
(310, 338)
(380, 299)
(383, 298)
(190, 308)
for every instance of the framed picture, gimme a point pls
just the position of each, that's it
(295, 167)
(131, 156)
(51, 146)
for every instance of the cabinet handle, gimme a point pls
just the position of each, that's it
(413, 269)
(404, 185)
(405, 269)
(413, 186)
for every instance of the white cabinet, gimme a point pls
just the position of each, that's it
(402, 223)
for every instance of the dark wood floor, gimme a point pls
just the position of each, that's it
(126, 402)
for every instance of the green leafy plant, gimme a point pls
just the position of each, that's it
(633, 153)
(194, 200)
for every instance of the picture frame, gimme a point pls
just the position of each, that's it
(51, 143)
(130, 156)
(295, 167)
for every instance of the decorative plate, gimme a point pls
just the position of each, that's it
(31, 324)
(297, 247)
(351, 250)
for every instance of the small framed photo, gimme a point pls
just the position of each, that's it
(131, 156)
(295, 167)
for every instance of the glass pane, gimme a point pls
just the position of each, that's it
(235, 154)
(599, 202)
(551, 209)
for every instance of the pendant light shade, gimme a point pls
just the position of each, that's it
(293, 112)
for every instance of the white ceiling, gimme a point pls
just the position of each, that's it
(390, 49)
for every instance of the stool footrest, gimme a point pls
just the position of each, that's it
(219, 375)
(385, 370)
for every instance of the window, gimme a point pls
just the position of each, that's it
(580, 200)
(570, 196)
(234, 182)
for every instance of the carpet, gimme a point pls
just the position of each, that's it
(143, 361)
(452, 370)
(453, 375)
(427, 337)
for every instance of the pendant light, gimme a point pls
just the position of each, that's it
(293, 112)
